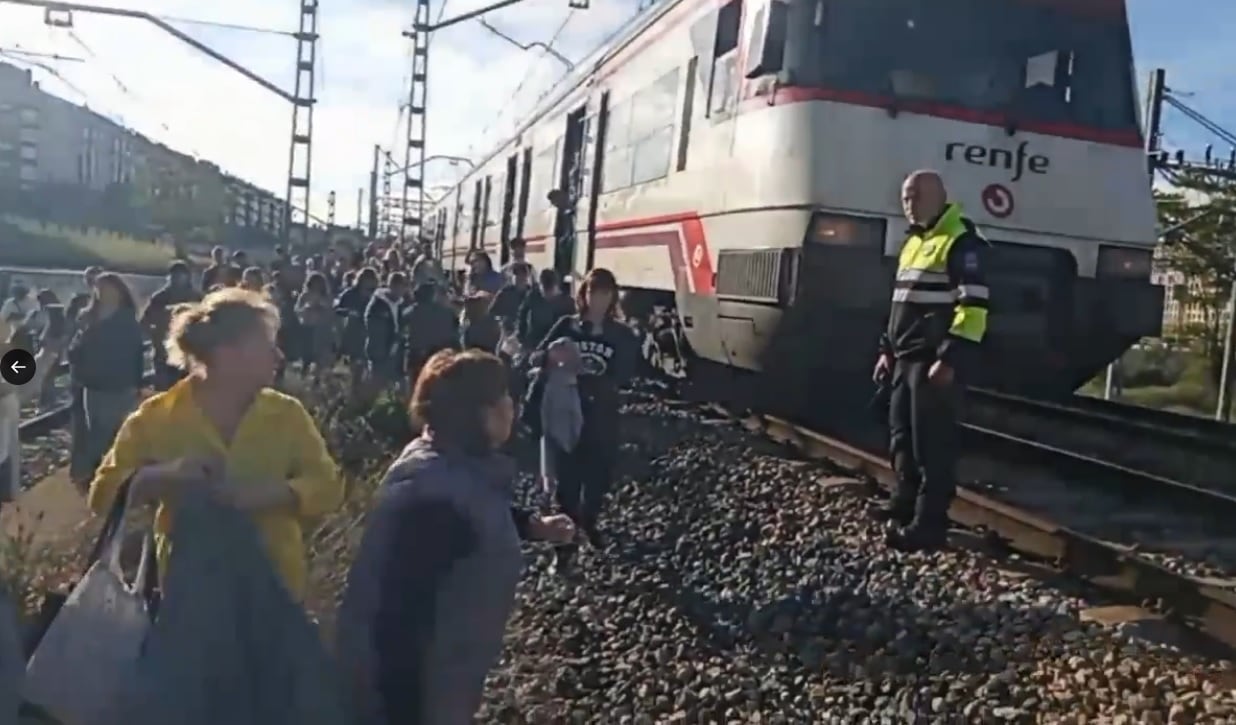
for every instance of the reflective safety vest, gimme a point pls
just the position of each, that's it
(924, 278)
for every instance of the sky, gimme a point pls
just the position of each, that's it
(479, 84)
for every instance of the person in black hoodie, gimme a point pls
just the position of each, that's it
(507, 303)
(383, 328)
(541, 308)
(608, 355)
(106, 360)
(478, 330)
(157, 318)
(351, 307)
(431, 327)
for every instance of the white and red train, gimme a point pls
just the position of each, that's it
(739, 163)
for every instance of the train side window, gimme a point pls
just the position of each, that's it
(724, 82)
(652, 129)
(688, 108)
(616, 172)
(639, 141)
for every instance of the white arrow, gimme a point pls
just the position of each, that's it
(17, 367)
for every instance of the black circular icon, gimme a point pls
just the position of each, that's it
(17, 367)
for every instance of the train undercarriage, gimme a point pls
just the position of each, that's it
(1051, 330)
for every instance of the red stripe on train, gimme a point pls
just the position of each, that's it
(687, 246)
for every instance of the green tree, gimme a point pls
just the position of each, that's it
(1199, 217)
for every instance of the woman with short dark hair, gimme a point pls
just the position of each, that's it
(433, 583)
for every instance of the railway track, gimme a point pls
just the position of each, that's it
(1152, 416)
(43, 431)
(1082, 490)
(1181, 452)
(1049, 505)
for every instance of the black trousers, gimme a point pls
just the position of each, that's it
(584, 477)
(924, 443)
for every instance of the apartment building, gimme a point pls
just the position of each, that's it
(45, 139)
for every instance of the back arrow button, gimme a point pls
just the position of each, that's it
(17, 367)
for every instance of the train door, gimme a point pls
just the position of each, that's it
(477, 192)
(483, 221)
(508, 206)
(525, 180)
(569, 185)
(598, 166)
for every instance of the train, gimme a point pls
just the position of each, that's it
(737, 164)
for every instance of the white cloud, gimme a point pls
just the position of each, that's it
(138, 74)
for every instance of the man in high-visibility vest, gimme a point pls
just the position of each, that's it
(937, 320)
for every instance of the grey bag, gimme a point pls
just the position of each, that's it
(92, 646)
(230, 645)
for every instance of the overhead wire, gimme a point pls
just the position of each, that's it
(120, 84)
(90, 53)
(225, 26)
(36, 54)
(483, 136)
(46, 68)
(1201, 119)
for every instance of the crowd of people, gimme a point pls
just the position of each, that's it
(434, 578)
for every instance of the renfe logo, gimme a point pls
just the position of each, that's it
(1015, 161)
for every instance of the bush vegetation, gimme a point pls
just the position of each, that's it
(29, 243)
(1166, 376)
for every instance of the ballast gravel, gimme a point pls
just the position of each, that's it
(739, 585)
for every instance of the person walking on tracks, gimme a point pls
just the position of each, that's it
(937, 320)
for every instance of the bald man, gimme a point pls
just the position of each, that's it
(937, 320)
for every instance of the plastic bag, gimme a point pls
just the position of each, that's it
(509, 345)
(92, 645)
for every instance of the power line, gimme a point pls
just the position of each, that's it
(226, 26)
(90, 52)
(1202, 120)
(1199, 118)
(528, 74)
(124, 87)
(441, 11)
(48, 69)
(36, 54)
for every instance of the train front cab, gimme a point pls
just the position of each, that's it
(809, 318)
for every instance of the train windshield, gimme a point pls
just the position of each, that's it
(1027, 61)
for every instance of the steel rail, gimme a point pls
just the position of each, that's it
(1184, 428)
(1195, 495)
(1209, 610)
(46, 421)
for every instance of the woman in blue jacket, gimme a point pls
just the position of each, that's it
(433, 582)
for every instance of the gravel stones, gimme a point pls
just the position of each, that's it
(739, 585)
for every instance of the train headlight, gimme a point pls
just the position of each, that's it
(842, 230)
(1124, 263)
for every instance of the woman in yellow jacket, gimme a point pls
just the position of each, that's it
(224, 427)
